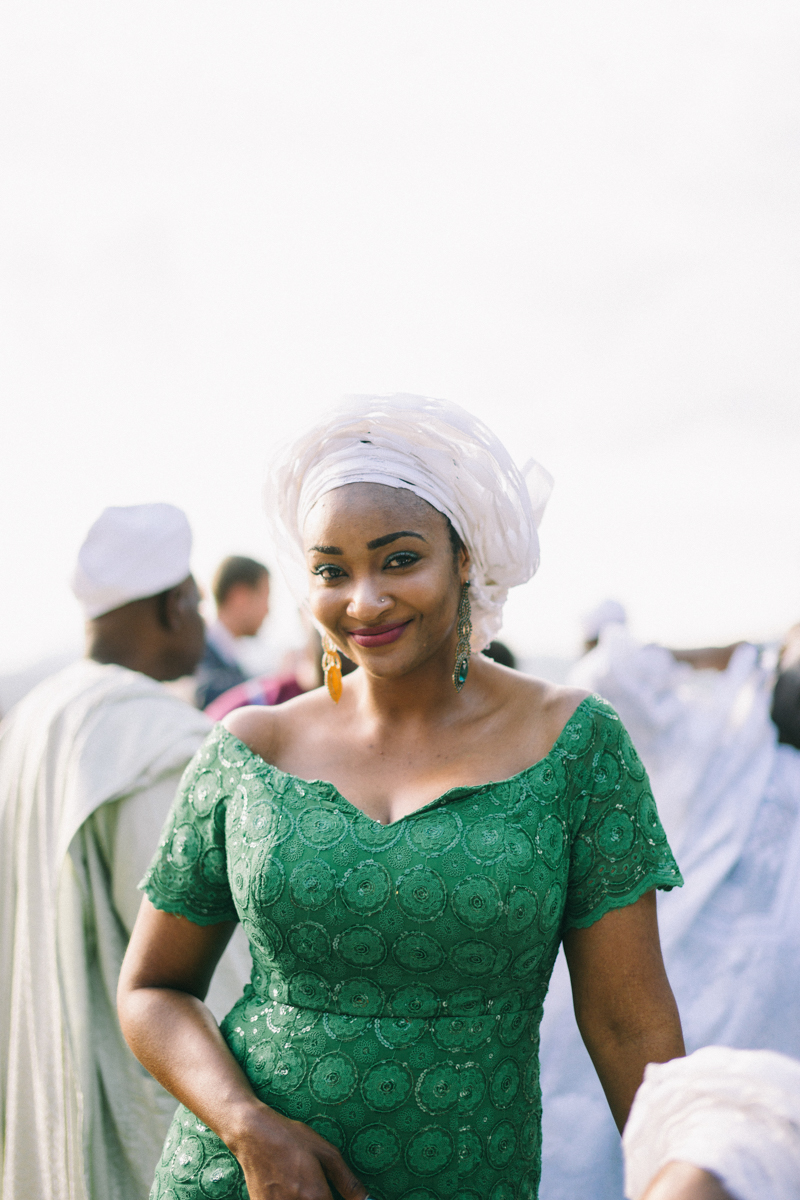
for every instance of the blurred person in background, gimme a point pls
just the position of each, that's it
(786, 693)
(607, 612)
(500, 653)
(611, 667)
(717, 730)
(241, 594)
(300, 671)
(90, 760)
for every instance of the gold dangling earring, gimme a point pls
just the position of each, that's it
(464, 635)
(332, 669)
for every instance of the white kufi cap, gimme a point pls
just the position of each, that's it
(130, 553)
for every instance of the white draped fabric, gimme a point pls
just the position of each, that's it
(89, 763)
(729, 798)
(735, 1113)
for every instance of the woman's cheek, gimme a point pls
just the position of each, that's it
(433, 594)
(324, 605)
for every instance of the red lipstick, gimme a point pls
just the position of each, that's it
(378, 635)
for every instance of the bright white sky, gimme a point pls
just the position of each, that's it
(580, 221)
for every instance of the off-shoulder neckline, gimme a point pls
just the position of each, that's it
(465, 788)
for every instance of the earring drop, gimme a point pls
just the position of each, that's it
(464, 634)
(332, 669)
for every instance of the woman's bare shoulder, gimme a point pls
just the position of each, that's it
(560, 702)
(256, 726)
(548, 705)
(556, 697)
(264, 729)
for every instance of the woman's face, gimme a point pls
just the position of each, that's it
(385, 582)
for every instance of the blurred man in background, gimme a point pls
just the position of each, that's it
(89, 763)
(300, 671)
(241, 594)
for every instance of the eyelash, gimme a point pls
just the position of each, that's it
(323, 567)
(408, 559)
(408, 556)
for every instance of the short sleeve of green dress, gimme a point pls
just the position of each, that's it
(399, 970)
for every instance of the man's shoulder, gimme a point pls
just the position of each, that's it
(65, 690)
(106, 732)
(101, 698)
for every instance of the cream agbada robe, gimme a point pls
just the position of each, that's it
(89, 763)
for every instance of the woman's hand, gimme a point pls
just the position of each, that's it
(285, 1160)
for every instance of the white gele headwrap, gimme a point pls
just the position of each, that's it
(439, 452)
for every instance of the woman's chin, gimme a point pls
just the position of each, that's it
(386, 670)
(401, 664)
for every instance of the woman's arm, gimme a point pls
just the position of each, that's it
(163, 981)
(623, 1002)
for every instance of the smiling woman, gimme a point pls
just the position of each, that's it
(404, 910)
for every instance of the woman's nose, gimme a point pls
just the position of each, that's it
(368, 600)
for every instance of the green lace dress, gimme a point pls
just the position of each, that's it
(399, 970)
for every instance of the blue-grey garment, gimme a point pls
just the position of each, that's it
(215, 675)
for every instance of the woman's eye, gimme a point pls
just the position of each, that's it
(402, 558)
(327, 571)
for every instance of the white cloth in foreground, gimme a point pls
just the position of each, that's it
(89, 764)
(729, 799)
(441, 453)
(130, 553)
(735, 1113)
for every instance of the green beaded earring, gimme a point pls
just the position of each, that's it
(464, 635)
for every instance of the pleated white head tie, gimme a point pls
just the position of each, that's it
(442, 454)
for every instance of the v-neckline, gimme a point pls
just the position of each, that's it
(463, 787)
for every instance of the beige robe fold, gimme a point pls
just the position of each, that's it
(89, 763)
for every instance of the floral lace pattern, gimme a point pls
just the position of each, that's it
(399, 971)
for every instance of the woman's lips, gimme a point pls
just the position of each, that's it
(378, 635)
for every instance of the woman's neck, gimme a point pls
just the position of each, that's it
(424, 694)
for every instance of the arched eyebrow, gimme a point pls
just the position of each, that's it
(375, 544)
